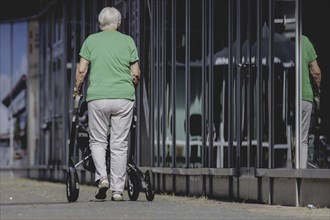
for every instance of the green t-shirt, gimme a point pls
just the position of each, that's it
(308, 55)
(110, 54)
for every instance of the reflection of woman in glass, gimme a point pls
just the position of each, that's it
(311, 68)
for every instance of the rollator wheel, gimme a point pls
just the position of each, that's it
(150, 191)
(133, 186)
(72, 185)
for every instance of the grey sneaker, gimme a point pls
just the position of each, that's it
(117, 196)
(102, 188)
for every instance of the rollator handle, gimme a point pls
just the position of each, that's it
(76, 103)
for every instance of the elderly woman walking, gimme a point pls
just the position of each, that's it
(114, 72)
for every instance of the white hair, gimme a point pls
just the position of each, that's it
(109, 16)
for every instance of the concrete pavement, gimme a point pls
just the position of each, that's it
(31, 199)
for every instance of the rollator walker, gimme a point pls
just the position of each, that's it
(79, 138)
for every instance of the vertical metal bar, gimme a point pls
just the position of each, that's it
(11, 138)
(208, 120)
(83, 18)
(49, 92)
(165, 115)
(173, 120)
(152, 67)
(73, 46)
(52, 89)
(204, 190)
(298, 96)
(138, 101)
(162, 87)
(157, 80)
(94, 14)
(158, 83)
(230, 83)
(203, 83)
(155, 83)
(187, 80)
(249, 117)
(129, 16)
(238, 93)
(211, 83)
(42, 156)
(271, 80)
(40, 143)
(65, 72)
(259, 86)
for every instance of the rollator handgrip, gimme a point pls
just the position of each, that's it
(76, 103)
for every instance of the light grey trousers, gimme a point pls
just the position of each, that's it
(305, 122)
(101, 114)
